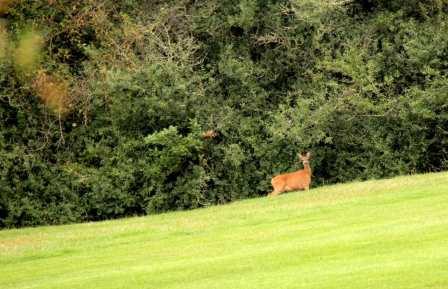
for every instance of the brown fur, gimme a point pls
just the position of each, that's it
(210, 134)
(299, 180)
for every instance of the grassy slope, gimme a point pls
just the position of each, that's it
(378, 234)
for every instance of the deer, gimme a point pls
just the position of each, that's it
(298, 180)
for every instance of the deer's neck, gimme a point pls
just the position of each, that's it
(307, 168)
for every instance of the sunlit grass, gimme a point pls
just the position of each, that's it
(376, 234)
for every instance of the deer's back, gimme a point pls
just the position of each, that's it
(291, 181)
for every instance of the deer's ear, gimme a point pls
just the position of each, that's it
(308, 154)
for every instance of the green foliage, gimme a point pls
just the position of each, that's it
(34, 192)
(176, 177)
(364, 91)
(415, 8)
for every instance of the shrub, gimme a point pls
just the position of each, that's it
(110, 119)
(414, 8)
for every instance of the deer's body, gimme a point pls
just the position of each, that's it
(299, 180)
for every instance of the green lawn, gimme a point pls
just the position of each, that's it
(377, 234)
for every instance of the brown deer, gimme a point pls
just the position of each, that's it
(299, 180)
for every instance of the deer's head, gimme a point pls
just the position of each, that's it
(305, 158)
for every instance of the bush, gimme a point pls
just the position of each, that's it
(34, 192)
(109, 120)
(414, 8)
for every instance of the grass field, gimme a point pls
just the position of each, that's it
(376, 234)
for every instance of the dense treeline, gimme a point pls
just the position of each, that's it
(117, 108)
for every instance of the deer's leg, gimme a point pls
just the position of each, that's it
(274, 193)
(277, 191)
(278, 186)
